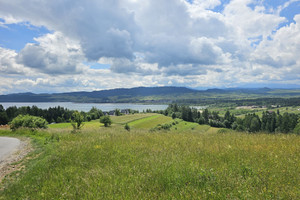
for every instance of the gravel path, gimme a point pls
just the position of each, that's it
(8, 146)
(12, 150)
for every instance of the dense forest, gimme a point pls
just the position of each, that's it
(52, 115)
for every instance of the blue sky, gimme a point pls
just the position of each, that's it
(16, 36)
(58, 46)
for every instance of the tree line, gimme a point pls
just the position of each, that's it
(51, 115)
(270, 121)
(267, 101)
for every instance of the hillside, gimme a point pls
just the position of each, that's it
(189, 161)
(120, 95)
(159, 95)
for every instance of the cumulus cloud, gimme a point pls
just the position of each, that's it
(165, 42)
(207, 4)
(52, 54)
(8, 63)
(282, 49)
(102, 27)
(251, 22)
(119, 29)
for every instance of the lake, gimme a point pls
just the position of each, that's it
(86, 106)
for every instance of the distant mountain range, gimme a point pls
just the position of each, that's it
(151, 95)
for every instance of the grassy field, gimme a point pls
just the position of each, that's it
(189, 126)
(192, 162)
(130, 118)
(150, 122)
(67, 126)
(95, 123)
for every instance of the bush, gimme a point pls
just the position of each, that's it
(106, 120)
(28, 121)
(127, 127)
(159, 127)
(297, 128)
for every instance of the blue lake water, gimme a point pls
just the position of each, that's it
(86, 106)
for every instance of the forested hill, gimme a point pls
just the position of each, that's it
(158, 95)
(138, 91)
(121, 95)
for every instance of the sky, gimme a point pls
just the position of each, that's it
(78, 45)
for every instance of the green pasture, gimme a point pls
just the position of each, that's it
(130, 118)
(87, 125)
(187, 126)
(150, 122)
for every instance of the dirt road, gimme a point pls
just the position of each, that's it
(12, 150)
(8, 146)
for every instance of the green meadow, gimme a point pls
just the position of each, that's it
(150, 122)
(189, 161)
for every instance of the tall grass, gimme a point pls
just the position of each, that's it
(150, 122)
(130, 118)
(112, 163)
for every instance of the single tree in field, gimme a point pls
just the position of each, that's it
(77, 121)
(105, 120)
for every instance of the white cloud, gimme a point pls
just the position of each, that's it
(53, 54)
(251, 23)
(207, 4)
(8, 64)
(150, 42)
(282, 50)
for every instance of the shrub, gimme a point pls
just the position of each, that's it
(105, 120)
(166, 126)
(127, 127)
(297, 128)
(88, 118)
(159, 127)
(28, 121)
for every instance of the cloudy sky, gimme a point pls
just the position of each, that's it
(75, 45)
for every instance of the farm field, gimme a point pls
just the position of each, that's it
(190, 161)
